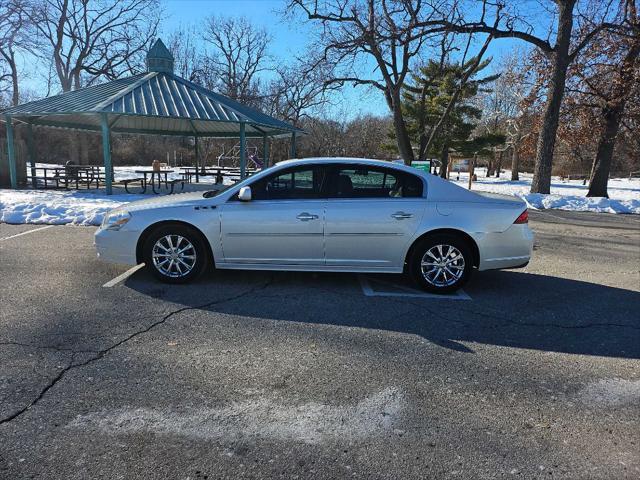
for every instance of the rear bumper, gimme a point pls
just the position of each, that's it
(117, 246)
(509, 249)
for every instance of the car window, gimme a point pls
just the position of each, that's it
(298, 183)
(373, 182)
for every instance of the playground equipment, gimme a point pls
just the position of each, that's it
(231, 157)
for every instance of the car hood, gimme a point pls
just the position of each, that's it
(175, 200)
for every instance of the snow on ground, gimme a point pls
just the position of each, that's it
(77, 207)
(87, 207)
(624, 193)
(83, 207)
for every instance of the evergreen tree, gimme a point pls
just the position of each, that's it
(425, 101)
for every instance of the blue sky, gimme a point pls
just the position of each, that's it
(286, 40)
(289, 40)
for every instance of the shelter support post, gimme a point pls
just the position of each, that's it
(243, 152)
(11, 153)
(32, 154)
(292, 154)
(265, 152)
(195, 144)
(106, 154)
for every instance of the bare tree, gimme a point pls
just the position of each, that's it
(621, 78)
(375, 42)
(188, 56)
(507, 107)
(591, 19)
(298, 92)
(92, 39)
(238, 54)
(16, 37)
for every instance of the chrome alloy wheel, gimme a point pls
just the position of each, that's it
(173, 256)
(442, 265)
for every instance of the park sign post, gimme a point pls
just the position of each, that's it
(424, 165)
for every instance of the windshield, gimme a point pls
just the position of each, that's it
(215, 193)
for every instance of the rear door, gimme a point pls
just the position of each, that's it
(372, 214)
(282, 224)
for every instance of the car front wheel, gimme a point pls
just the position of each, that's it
(175, 254)
(441, 263)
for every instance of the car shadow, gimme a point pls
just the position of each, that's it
(508, 308)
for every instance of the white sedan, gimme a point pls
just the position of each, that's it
(324, 214)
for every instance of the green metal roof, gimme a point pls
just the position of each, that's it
(156, 102)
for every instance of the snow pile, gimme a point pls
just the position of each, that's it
(540, 201)
(58, 207)
(624, 193)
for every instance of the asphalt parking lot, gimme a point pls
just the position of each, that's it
(532, 373)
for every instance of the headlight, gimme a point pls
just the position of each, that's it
(115, 219)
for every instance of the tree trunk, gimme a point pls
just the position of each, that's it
(499, 163)
(612, 115)
(555, 92)
(15, 86)
(604, 155)
(472, 169)
(515, 164)
(422, 149)
(489, 167)
(402, 136)
(444, 161)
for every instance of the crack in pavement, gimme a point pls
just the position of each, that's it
(101, 353)
(45, 347)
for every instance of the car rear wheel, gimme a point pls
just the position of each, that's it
(175, 253)
(441, 263)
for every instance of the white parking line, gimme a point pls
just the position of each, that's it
(123, 276)
(25, 233)
(408, 292)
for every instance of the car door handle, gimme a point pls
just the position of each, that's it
(401, 215)
(305, 217)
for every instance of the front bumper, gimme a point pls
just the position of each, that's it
(509, 249)
(117, 246)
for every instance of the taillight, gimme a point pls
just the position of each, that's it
(523, 218)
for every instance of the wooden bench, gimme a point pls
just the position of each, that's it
(174, 182)
(45, 180)
(127, 181)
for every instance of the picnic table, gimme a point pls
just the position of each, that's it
(66, 176)
(155, 176)
(189, 172)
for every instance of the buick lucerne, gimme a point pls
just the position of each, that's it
(324, 214)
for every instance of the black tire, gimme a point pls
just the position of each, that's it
(441, 284)
(175, 275)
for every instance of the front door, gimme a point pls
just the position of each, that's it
(282, 224)
(371, 216)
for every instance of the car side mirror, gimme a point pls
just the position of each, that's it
(244, 194)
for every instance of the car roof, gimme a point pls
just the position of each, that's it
(354, 160)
